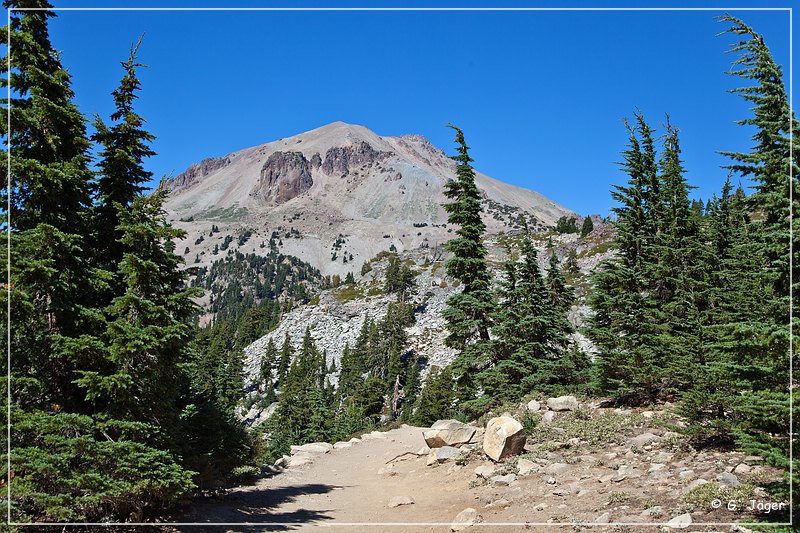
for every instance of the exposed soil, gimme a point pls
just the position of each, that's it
(573, 485)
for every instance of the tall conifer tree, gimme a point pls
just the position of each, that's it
(757, 336)
(124, 147)
(469, 311)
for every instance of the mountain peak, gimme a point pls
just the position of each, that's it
(337, 195)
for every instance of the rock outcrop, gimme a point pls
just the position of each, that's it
(192, 175)
(342, 159)
(285, 175)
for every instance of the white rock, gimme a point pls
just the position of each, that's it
(548, 417)
(504, 437)
(299, 460)
(503, 480)
(562, 403)
(466, 518)
(680, 522)
(662, 457)
(445, 453)
(533, 405)
(604, 518)
(397, 501)
(313, 447)
(644, 439)
(340, 445)
(387, 470)
(501, 503)
(485, 471)
(694, 484)
(526, 467)
(448, 433)
(652, 512)
(558, 468)
(728, 480)
(742, 468)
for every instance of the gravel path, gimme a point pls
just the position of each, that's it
(344, 487)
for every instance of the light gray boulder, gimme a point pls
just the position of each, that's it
(466, 518)
(448, 433)
(562, 403)
(504, 437)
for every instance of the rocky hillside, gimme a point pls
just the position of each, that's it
(336, 316)
(334, 197)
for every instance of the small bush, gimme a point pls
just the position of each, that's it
(702, 496)
(618, 497)
(244, 474)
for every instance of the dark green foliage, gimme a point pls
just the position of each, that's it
(125, 145)
(530, 335)
(265, 374)
(303, 414)
(437, 399)
(68, 468)
(571, 264)
(411, 389)
(287, 352)
(469, 311)
(399, 278)
(49, 148)
(567, 225)
(561, 295)
(751, 336)
(587, 227)
(631, 340)
(149, 329)
(239, 282)
(106, 399)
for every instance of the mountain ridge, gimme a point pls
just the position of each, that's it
(337, 182)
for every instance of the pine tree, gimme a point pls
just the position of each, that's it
(587, 227)
(287, 352)
(49, 148)
(468, 312)
(150, 328)
(629, 339)
(125, 145)
(303, 414)
(267, 363)
(561, 295)
(411, 388)
(530, 333)
(756, 338)
(437, 399)
(350, 375)
(399, 278)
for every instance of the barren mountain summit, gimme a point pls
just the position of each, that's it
(335, 192)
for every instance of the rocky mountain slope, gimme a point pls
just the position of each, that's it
(334, 197)
(335, 318)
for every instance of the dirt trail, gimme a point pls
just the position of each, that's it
(637, 478)
(343, 487)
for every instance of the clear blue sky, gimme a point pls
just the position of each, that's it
(541, 95)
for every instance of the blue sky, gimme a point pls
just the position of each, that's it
(541, 95)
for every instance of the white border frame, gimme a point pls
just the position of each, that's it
(392, 524)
